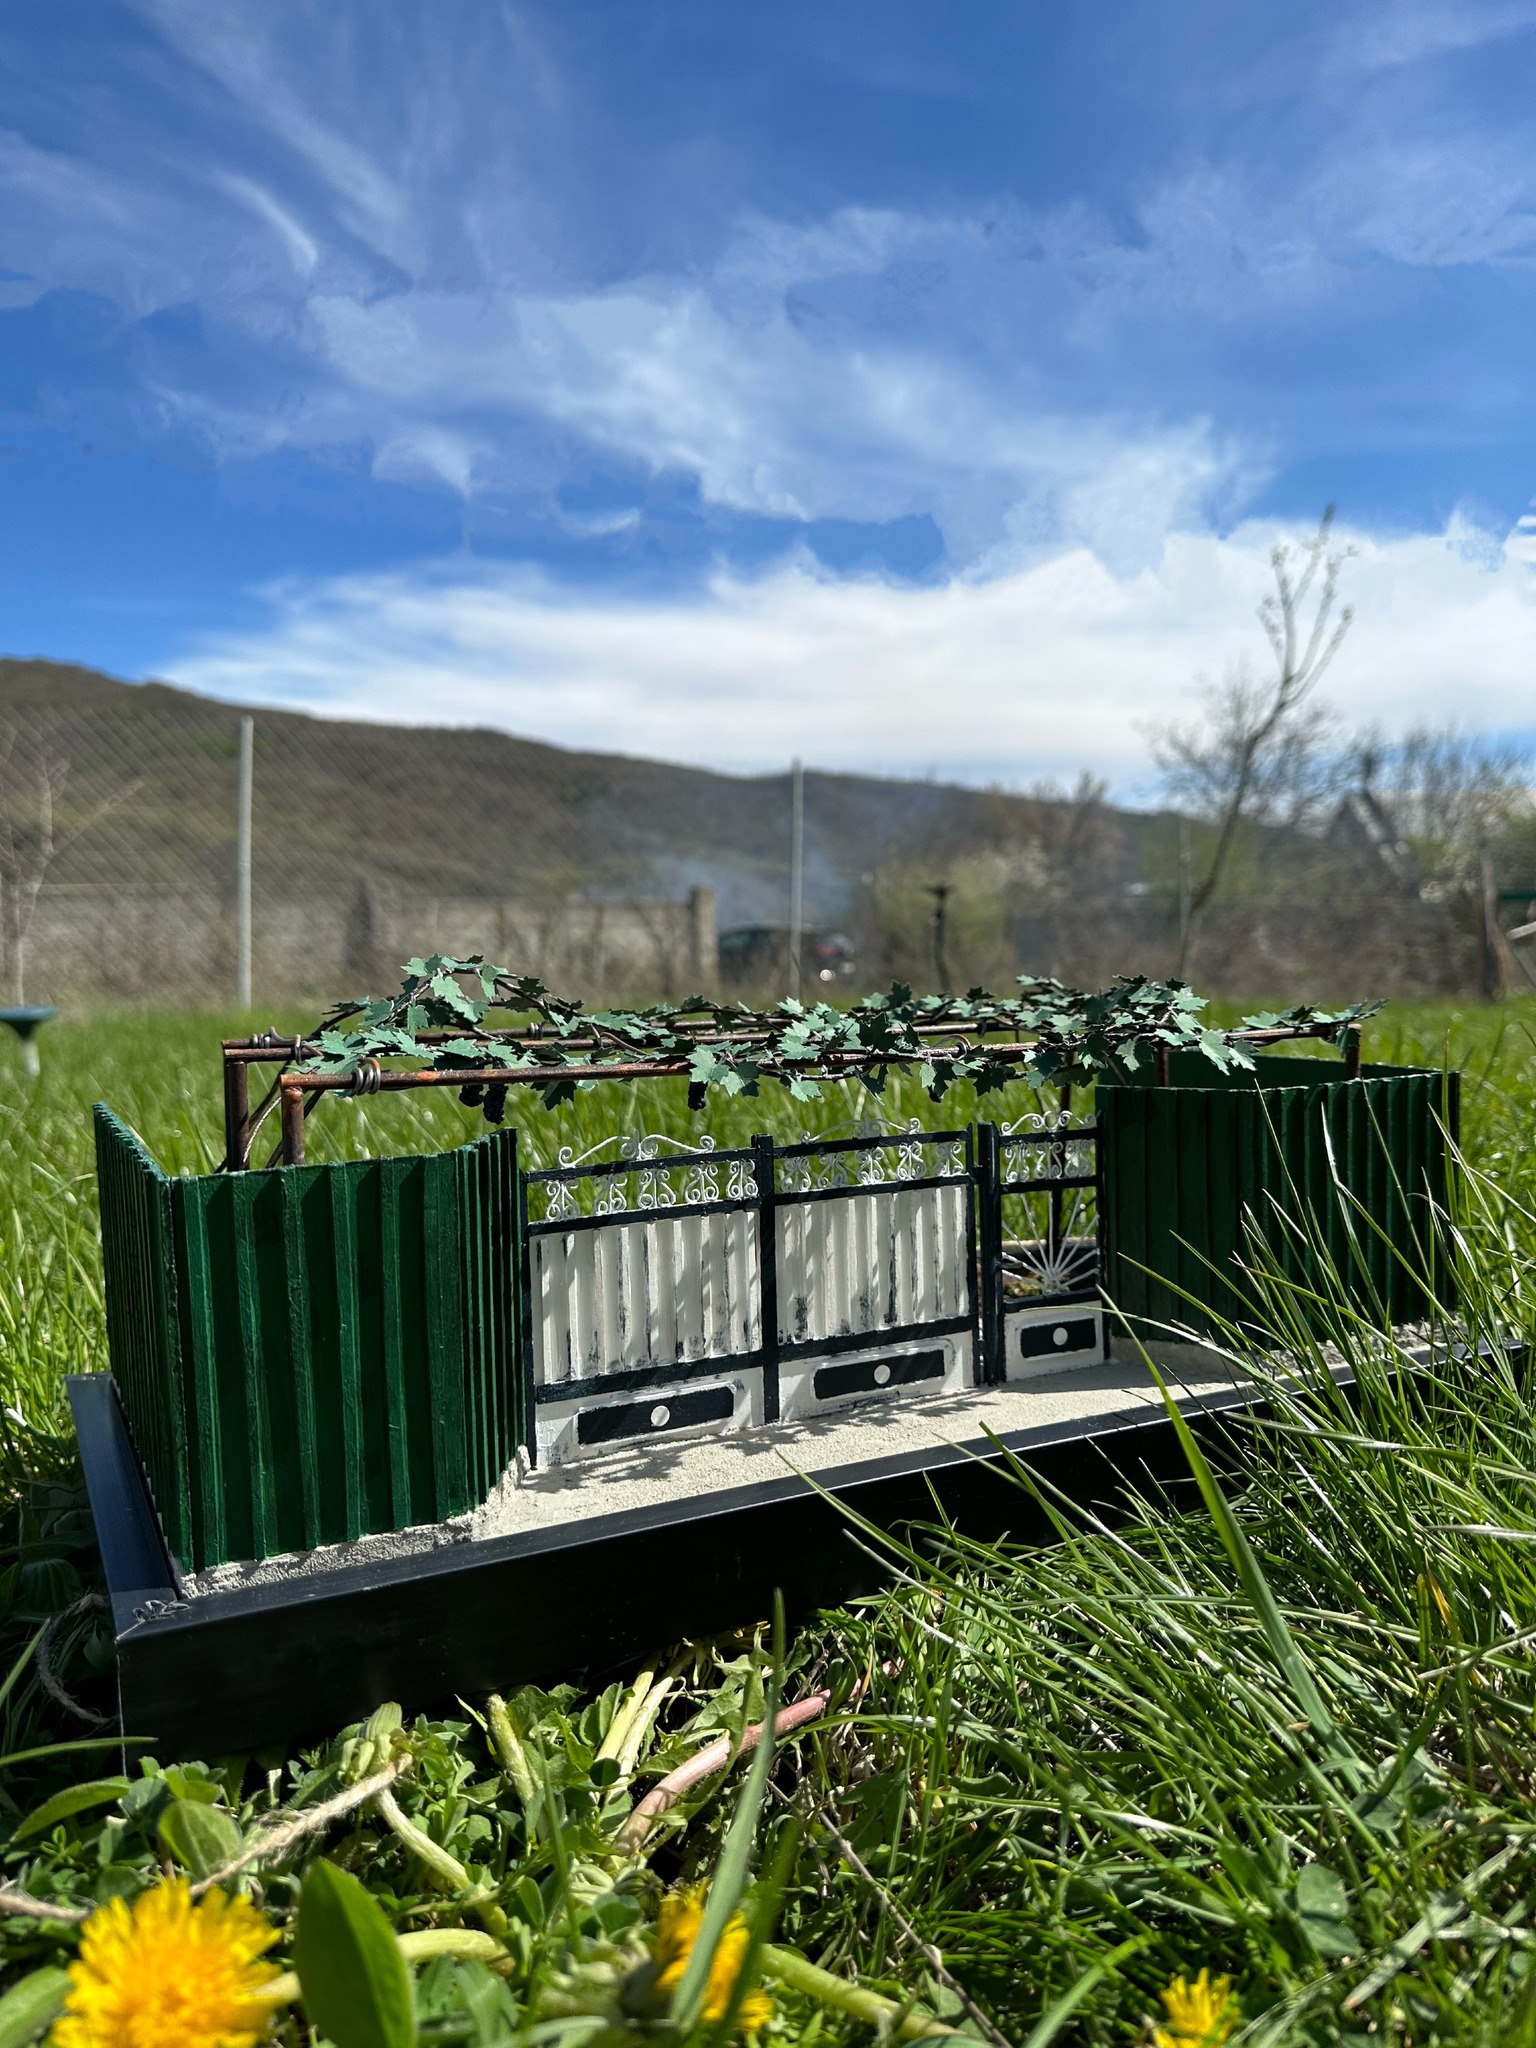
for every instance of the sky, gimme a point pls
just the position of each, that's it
(906, 387)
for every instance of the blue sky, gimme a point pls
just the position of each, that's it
(910, 386)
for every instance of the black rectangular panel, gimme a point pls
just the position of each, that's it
(873, 1375)
(656, 1417)
(1058, 1339)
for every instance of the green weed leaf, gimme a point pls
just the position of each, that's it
(73, 1799)
(30, 2006)
(201, 1837)
(356, 1985)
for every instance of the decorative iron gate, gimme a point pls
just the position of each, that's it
(1039, 1199)
(643, 1308)
(875, 1257)
(720, 1290)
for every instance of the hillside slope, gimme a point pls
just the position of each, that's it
(458, 812)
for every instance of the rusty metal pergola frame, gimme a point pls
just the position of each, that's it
(295, 1093)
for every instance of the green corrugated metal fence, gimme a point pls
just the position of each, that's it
(138, 1249)
(315, 1353)
(1191, 1168)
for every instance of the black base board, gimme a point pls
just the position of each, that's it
(242, 1670)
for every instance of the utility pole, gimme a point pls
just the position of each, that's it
(243, 863)
(1184, 891)
(939, 891)
(796, 871)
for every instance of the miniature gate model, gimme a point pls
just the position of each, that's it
(310, 1354)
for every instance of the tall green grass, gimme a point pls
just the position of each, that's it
(162, 1075)
(1279, 1724)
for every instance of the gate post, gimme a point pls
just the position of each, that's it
(989, 1241)
(767, 1272)
(527, 1415)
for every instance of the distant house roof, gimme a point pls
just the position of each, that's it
(1363, 825)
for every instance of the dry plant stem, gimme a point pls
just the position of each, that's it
(623, 1720)
(787, 1966)
(48, 1678)
(931, 1955)
(447, 1870)
(642, 1725)
(713, 1757)
(278, 1839)
(24, 1906)
(509, 1748)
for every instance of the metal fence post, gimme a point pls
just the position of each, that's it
(796, 872)
(989, 1205)
(767, 1271)
(243, 863)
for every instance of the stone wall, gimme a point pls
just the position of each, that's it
(100, 942)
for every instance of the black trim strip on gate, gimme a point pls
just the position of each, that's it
(639, 1378)
(862, 1376)
(1016, 1304)
(641, 1419)
(973, 1291)
(873, 1340)
(787, 1196)
(552, 1226)
(887, 1144)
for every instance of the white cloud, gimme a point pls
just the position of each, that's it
(302, 248)
(1040, 670)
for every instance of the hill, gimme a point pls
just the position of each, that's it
(471, 812)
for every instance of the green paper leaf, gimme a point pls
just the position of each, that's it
(356, 1985)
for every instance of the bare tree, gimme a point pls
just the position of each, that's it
(33, 774)
(1446, 794)
(1261, 752)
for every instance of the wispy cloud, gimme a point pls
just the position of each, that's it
(379, 217)
(1040, 671)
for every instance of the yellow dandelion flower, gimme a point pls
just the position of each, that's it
(167, 1974)
(1200, 2015)
(677, 1929)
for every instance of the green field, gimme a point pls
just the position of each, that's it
(1282, 1732)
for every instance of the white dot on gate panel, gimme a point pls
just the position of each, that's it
(1059, 1334)
(660, 1416)
(882, 1374)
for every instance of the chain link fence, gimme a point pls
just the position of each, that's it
(125, 874)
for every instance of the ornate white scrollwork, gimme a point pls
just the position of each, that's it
(559, 1201)
(656, 1190)
(741, 1182)
(909, 1154)
(873, 1171)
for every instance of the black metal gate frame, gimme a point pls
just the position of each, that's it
(992, 1185)
(900, 1334)
(981, 1173)
(639, 1379)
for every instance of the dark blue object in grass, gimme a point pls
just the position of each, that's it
(26, 1020)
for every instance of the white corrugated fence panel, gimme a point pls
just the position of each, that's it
(645, 1291)
(872, 1261)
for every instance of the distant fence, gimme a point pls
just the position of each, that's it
(136, 942)
(149, 851)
